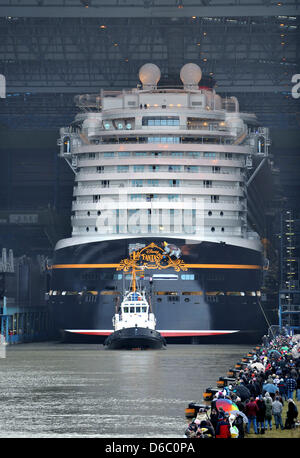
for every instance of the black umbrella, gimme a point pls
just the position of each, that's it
(274, 354)
(242, 392)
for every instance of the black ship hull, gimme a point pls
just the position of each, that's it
(135, 337)
(209, 294)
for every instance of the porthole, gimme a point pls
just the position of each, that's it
(98, 212)
(186, 299)
(222, 229)
(88, 213)
(212, 229)
(221, 213)
(96, 229)
(87, 229)
(209, 213)
(159, 299)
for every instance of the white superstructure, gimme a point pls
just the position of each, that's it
(134, 312)
(162, 161)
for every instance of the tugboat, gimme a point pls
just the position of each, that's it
(134, 323)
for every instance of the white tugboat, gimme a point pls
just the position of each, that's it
(134, 323)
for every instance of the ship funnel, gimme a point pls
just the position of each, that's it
(190, 75)
(149, 75)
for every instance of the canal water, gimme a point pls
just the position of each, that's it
(54, 390)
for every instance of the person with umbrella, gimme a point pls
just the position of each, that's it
(269, 387)
(239, 420)
(242, 392)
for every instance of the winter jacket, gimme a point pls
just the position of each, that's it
(276, 407)
(251, 409)
(223, 430)
(268, 403)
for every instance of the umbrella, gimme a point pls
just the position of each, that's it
(295, 351)
(270, 388)
(226, 404)
(258, 366)
(242, 392)
(238, 412)
(296, 338)
(274, 354)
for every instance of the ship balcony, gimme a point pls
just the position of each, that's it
(184, 189)
(165, 147)
(164, 160)
(167, 175)
(205, 233)
(205, 205)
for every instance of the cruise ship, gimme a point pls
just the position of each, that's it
(163, 180)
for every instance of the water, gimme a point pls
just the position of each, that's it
(55, 390)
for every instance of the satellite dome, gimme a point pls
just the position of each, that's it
(149, 74)
(190, 74)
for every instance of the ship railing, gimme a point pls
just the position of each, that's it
(171, 169)
(80, 230)
(78, 190)
(177, 139)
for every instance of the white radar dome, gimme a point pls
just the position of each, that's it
(149, 74)
(190, 74)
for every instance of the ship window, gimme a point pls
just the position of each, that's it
(173, 197)
(125, 309)
(187, 277)
(176, 154)
(138, 309)
(174, 168)
(221, 213)
(160, 120)
(207, 183)
(137, 183)
(152, 182)
(192, 293)
(123, 153)
(144, 309)
(192, 168)
(109, 154)
(214, 198)
(138, 168)
(209, 213)
(206, 154)
(173, 298)
(212, 229)
(131, 310)
(87, 229)
(222, 229)
(123, 168)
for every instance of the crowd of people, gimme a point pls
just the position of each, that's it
(254, 401)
